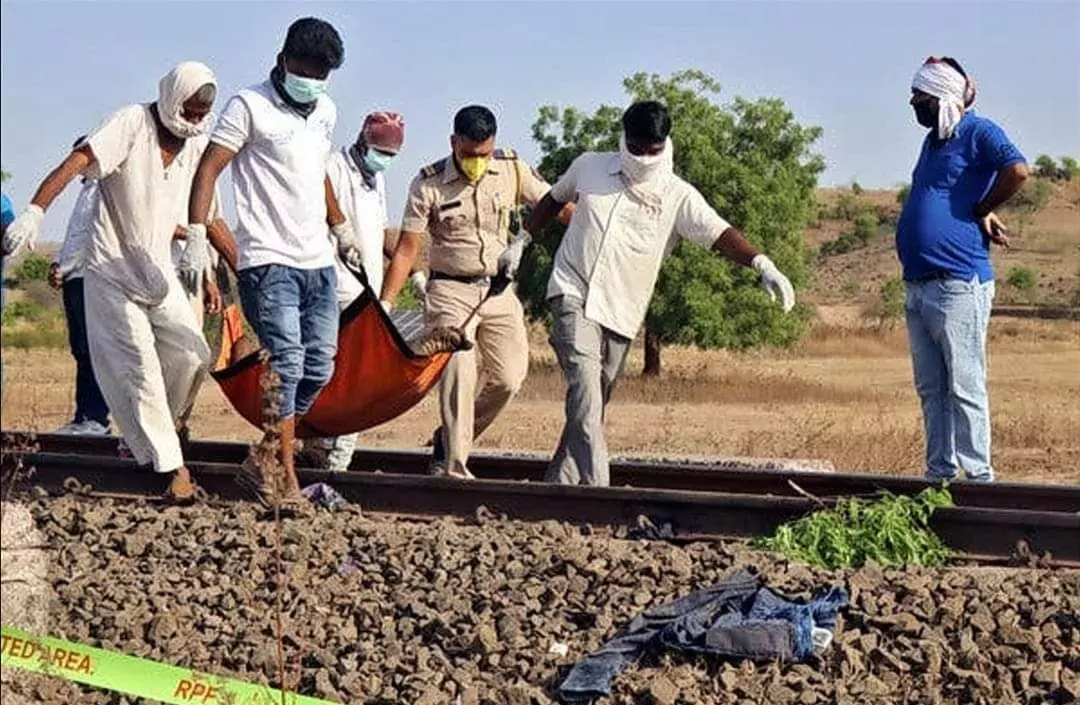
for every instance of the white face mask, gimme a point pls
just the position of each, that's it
(176, 124)
(177, 86)
(643, 168)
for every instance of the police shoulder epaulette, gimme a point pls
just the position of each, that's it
(434, 168)
(505, 153)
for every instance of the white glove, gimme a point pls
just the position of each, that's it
(25, 228)
(774, 281)
(195, 258)
(510, 259)
(386, 306)
(347, 246)
(419, 280)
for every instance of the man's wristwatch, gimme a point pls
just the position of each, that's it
(979, 212)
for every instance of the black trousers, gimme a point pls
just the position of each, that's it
(89, 403)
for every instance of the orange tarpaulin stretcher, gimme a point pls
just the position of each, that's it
(377, 377)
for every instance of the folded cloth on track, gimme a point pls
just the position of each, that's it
(736, 618)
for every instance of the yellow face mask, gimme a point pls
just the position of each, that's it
(473, 167)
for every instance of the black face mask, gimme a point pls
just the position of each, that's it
(926, 113)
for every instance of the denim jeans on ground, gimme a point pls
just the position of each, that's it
(295, 314)
(89, 403)
(947, 321)
(736, 618)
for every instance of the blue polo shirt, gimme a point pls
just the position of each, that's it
(7, 211)
(937, 233)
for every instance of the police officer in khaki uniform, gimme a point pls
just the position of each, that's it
(465, 202)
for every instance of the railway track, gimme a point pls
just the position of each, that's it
(722, 477)
(996, 531)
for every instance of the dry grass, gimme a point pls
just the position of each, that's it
(1045, 242)
(845, 394)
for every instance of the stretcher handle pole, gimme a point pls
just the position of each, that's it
(498, 285)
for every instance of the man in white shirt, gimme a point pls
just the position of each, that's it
(148, 354)
(66, 274)
(631, 211)
(356, 176)
(277, 135)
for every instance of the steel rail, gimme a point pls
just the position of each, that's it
(724, 477)
(972, 531)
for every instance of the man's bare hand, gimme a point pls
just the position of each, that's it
(211, 294)
(56, 278)
(994, 230)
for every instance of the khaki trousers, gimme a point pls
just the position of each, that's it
(502, 345)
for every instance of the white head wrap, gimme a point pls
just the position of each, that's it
(174, 89)
(955, 93)
(646, 176)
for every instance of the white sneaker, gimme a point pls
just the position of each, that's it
(93, 428)
(84, 428)
(70, 429)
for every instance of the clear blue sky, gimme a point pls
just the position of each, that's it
(845, 66)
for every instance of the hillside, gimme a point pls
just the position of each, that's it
(1047, 242)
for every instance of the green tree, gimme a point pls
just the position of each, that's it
(1069, 168)
(1045, 167)
(1023, 278)
(751, 160)
(889, 307)
(902, 194)
(34, 267)
(1033, 196)
(4, 175)
(865, 228)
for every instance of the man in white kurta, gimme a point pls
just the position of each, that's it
(148, 353)
(356, 176)
(91, 416)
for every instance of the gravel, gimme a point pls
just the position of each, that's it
(379, 610)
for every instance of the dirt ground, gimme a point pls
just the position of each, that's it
(845, 395)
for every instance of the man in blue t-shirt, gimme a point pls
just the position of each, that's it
(7, 217)
(966, 169)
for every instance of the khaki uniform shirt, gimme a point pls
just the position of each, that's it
(469, 223)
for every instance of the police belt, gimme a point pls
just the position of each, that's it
(481, 279)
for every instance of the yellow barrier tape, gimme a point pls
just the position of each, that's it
(134, 676)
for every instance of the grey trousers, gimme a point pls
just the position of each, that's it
(591, 357)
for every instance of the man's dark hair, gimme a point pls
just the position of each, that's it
(78, 142)
(474, 122)
(313, 40)
(647, 122)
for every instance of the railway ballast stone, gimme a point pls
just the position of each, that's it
(377, 610)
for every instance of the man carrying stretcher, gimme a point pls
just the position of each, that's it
(277, 135)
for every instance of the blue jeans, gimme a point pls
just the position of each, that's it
(295, 314)
(947, 321)
(89, 403)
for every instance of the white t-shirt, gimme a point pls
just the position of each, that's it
(366, 210)
(80, 230)
(611, 254)
(279, 177)
(141, 203)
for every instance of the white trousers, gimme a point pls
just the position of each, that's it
(150, 362)
(198, 308)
